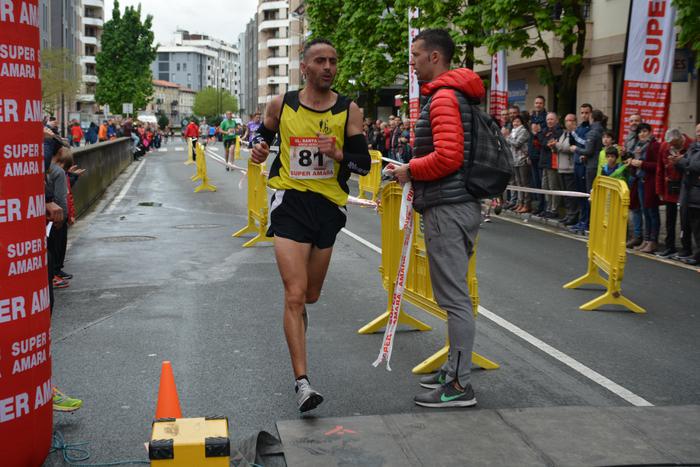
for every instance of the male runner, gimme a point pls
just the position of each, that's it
(228, 128)
(321, 142)
(251, 128)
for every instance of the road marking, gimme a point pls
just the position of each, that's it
(179, 148)
(572, 363)
(362, 240)
(162, 150)
(126, 187)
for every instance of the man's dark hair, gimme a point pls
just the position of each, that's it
(514, 106)
(541, 97)
(438, 39)
(312, 42)
(643, 126)
(597, 115)
(588, 106)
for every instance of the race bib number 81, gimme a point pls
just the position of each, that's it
(305, 160)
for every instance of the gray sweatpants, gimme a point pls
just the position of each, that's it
(450, 234)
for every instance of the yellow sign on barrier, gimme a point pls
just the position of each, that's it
(257, 206)
(419, 290)
(189, 160)
(370, 183)
(202, 172)
(607, 252)
(237, 149)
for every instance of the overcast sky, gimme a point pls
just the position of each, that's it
(222, 19)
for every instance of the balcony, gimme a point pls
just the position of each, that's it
(98, 22)
(273, 24)
(277, 80)
(267, 6)
(274, 61)
(95, 3)
(88, 39)
(277, 42)
(86, 98)
(87, 59)
(89, 78)
(174, 103)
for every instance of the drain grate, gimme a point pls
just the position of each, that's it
(128, 238)
(197, 226)
(151, 204)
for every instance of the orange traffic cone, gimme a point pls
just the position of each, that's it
(168, 403)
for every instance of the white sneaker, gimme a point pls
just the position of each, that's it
(307, 397)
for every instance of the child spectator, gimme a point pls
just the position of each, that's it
(613, 168)
(608, 141)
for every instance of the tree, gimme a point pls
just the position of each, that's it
(522, 25)
(689, 21)
(211, 102)
(60, 77)
(163, 120)
(123, 65)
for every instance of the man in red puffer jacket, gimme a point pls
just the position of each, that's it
(668, 187)
(451, 215)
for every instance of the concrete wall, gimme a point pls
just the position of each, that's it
(103, 163)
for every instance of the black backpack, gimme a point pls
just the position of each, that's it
(490, 166)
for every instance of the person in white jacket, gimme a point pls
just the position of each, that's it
(566, 169)
(518, 138)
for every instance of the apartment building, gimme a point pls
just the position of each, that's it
(280, 36)
(249, 69)
(92, 25)
(600, 84)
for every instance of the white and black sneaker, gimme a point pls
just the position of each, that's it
(307, 397)
(447, 396)
(434, 381)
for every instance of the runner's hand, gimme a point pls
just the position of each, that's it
(260, 152)
(326, 146)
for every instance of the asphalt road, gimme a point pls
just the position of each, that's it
(159, 277)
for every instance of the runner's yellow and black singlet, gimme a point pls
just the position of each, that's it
(300, 166)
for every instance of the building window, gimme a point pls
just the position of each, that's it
(163, 56)
(164, 66)
(178, 67)
(184, 67)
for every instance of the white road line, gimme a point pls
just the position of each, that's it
(362, 240)
(162, 150)
(126, 187)
(572, 363)
(179, 148)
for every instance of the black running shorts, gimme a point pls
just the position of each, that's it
(228, 143)
(305, 217)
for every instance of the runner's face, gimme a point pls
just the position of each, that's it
(320, 66)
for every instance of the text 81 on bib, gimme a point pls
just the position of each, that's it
(305, 160)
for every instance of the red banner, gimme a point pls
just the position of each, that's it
(25, 355)
(413, 86)
(498, 97)
(648, 64)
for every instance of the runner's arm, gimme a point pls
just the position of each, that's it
(355, 152)
(271, 122)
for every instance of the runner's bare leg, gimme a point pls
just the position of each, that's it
(318, 267)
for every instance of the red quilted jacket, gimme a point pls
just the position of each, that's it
(446, 123)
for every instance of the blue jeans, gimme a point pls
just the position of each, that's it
(536, 182)
(649, 216)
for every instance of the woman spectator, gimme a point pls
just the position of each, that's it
(519, 139)
(644, 202)
(689, 165)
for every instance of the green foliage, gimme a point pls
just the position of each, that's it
(210, 103)
(60, 76)
(124, 64)
(688, 18)
(163, 120)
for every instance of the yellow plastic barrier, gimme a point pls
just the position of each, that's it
(419, 290)
(202, 171)
(189, 160)
(370, 183)
(607, 252)
(237, 149)
(257, 206)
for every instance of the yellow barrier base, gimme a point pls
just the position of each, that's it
(205, 186)
(404, 318)
(612, 296)
(252, 228)
(189, 162)
(435, 362)
(195, 177)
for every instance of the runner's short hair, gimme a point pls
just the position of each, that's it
(438, 39)
(312, 42)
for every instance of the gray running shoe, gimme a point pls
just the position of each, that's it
(446, 396)
(434, 381)
(307, 397)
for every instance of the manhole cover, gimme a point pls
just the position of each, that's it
(151, 204)
(197, 226)
(128, 238)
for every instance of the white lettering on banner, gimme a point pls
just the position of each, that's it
(17, 52)
(8, 111)
(14, 407)
(12, 309)
(7, 14)
(30, 344)
(23, 266)
(406, 224)
(18, 169)
(27, 247)
(36, 206)
(32, 111)
(29, 14)
(20, 151)
(10, 210)
(29, 362)
(43, 394)
(17, 70)
(41, 300)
